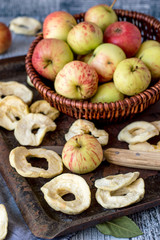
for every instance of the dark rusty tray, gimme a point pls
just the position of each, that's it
(42, 220)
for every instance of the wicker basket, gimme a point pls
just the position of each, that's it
(115, 111)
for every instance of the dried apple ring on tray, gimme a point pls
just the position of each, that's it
(18, 160)
(24, 130)
(114, 182)
(12, 109)
(139, 131)
(42, 106)
(145, 147)
(3, 222)
(82, 126)
(122, 197)
(25, 25)
(64, 184)
(17, 89)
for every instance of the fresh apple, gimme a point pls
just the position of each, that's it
(105, 59)
(131, 76)
(84, 37)
(147, 44)
(82, 154)
(49, 57)
(58, 24)
(102, 15)
(125, 35)
(151, 58)
(5, 38)
(77, 80)
(107, 92)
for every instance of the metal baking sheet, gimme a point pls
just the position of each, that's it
(42, 220)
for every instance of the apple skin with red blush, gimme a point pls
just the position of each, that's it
(125, 35)
(82, 154)
(77, 80)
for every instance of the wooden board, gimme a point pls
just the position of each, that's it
(42, 220)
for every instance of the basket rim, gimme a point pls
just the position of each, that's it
(128, 101)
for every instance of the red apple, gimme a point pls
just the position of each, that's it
(5, 38)
(82, 154)
(125, 35)
(49, 57)
(58, 24)
(77, 80)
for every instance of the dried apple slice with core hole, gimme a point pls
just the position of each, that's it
(67, 183)
(25, 25)
(18, 160)
(114, 182)
(25, 127)
(12, 109)
(82, 126)
(16, 89)
(138, 131)
(122, 197)
(42, 106)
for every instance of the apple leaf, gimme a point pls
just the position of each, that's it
(122, 227)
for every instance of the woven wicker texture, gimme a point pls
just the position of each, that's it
(115, 111)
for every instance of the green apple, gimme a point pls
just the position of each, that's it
(105, 59)
(151, 58)
(147, 44)
(84, 37)
(82, 154)
(131, 76)
(107, 92)
(102, 15)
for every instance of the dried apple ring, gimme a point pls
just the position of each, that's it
(3, 222)
(122, 197)
(12, 109)
(114, 182)
(33, 121)
(17, 89)
(138, 131)
(18, 160)
(42, 106)
(82, 126)
(145, 147)
(156, 124)
(25, 25)
(63, 184)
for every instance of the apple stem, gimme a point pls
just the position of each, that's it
(113, 4)
(49, 62)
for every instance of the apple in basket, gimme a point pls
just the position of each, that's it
(151, 58)
(82, 154)
(105, 59)
(125, 35)
(107, 92)
(131, 76)
(147, 44)
(102, 15)
(84, 37)
(77, 80)
(49, 57)
(58, 24)
(5, 38)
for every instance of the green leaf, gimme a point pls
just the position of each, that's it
(122, 227)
